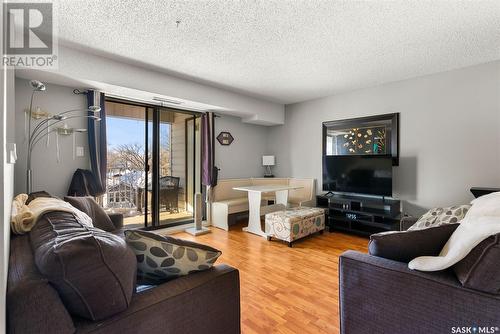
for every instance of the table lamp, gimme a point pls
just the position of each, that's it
(268, 161)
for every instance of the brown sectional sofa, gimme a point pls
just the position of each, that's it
(203, 302)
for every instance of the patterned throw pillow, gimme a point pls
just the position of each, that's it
(162, 258)
(441, 216)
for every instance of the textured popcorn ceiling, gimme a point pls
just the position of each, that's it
(288, 51)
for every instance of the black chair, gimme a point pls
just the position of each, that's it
(169, 192)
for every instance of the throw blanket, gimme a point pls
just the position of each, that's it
(480, 222)
(24, 217)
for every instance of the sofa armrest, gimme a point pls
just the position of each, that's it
(407, 222)
(116, 219)
(378, 295)
(203, 302)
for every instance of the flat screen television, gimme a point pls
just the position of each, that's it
(362, 174)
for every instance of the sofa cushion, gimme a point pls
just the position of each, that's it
(160, 258)
(35, 307)
(87, 204)
(37, 194)
(407, 245)
(92, 270)
(441, 216)
(480, 269)
(31, 299)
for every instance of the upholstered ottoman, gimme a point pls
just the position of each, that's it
(294, 223)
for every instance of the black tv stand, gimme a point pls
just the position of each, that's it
(359, 214)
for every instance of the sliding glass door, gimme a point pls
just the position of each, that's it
(153, 164)
(176, 173)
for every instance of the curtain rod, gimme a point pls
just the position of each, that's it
(77, 91)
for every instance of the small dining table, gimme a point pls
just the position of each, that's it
(255, 210)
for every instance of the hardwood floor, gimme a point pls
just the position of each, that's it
(285, 290)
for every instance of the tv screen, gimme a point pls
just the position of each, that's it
(363, 174)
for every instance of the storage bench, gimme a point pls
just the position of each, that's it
(294, 223)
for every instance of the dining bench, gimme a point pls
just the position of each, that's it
(226, 201)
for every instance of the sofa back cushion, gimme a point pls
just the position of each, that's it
(92, 270)
(406, 245)
(99, 217)
(480, 269)
(262, 181)
(224, 189)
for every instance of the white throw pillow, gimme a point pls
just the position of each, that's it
(480, 222)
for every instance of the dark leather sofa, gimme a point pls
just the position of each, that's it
(203, 302)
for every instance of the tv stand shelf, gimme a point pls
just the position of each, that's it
(361, 215)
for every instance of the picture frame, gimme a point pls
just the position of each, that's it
(372, 135)
(225, 138)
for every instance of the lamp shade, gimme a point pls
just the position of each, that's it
(268, 160)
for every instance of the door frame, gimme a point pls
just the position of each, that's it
(155, 150)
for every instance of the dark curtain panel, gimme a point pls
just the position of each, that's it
(97, 142)
(209, 171)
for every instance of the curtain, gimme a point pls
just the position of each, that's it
(209, 171)
(97, 141)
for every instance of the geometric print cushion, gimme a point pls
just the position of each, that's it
(441, 216)
(162, 258)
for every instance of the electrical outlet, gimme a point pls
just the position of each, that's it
(79, 151)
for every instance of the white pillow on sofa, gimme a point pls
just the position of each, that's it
(481, 221)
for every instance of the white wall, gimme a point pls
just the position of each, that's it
(7, 181)
(449, 133)
(243, 158)
(48, 174)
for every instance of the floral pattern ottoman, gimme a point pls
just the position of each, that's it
(294, 223)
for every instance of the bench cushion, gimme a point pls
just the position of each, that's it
(234, 201)
(295, 214)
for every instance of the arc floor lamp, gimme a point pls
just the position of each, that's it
(46, 126)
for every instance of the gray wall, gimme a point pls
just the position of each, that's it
(450, 136)
(243, 158)
(450, 133)
(48, 174)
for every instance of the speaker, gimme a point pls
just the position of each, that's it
(198, 214)
(197, 211)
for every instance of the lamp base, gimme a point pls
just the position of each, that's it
(268, 175)
(195, 232)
